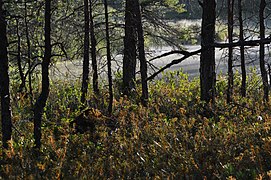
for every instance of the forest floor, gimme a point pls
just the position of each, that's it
(177, 136)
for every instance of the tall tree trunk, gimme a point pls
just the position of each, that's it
(269, 73)
(19, 59)
(130, 40)
(41, 101)
(85, 78)
(230, 60)
(242, 49)
(142, 58)
(93, 51)
(28, 52)
(108, 55)
(4, 81)
(188, 6)
(262, 51)
(207, 58)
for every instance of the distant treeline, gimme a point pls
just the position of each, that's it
(193, 10)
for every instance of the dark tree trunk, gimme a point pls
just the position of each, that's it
(93, 51)
(269, 73)
(230, 60)
(41, 101)
(188, 6)
(207, 58)
(29, 56)
(108, 55)
(85, 78)
(242, 49)
(130, 40)
(142, 58)
(262, 51)
(19, 59)
(4, 81)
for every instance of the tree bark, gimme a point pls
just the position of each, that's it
(262, 52)
(230, 60)
(93, 51)
(269, 73)
(85, 78)
(207, 58)
(19, 59)
(41, 101)
(4, 81)
(29, 54)
(242, 49)
(130, 40)
(142, 58)
(108, 55)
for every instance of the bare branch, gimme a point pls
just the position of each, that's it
(183, 52)
(176, 61)
(217, 45)
(244, 43)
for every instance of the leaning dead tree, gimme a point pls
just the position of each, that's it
(187, 54)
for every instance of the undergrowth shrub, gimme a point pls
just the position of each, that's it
(171, 138)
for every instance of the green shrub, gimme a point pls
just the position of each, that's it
(171, 138)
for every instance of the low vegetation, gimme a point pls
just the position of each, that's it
(177, 136)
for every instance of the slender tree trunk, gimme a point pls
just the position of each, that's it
(269, 73)
(142, 58)
(108, 53)
(19, 59)
(28, 52)
(242, 49)
(230, 60)
(41, 101)
(4, 81)
(207, 58)
(85, 79)
(130, 40)
(188, 6)
(93, 51)
(262, 51)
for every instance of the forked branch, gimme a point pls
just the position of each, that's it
(176, 61)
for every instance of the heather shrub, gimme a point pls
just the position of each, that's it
(173, 137)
